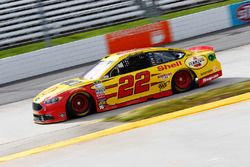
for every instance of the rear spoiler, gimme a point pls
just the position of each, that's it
(201, 48)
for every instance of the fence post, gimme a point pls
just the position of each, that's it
(151, 9)
(44, 23)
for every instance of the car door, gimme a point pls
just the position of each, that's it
(133, 78)
(140, 75)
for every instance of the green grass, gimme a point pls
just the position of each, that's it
(88, 34)
(170, 106)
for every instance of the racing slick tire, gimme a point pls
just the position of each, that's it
(79, 105)
(182, 81)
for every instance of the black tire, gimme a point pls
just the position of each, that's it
(182, 81)
(79, 105)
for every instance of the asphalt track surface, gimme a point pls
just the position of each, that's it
(218, 137)
(18, 132)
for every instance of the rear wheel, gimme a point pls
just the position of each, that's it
(182, 81)
(79, 104)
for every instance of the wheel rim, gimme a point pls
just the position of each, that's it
(79, 103)
(183, 79)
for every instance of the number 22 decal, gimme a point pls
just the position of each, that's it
(127, 84)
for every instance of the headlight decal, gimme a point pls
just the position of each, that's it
(52, 100)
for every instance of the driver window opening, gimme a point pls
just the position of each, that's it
(131, 64)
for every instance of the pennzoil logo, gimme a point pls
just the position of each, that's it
(196, 62)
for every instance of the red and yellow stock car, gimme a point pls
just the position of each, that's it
(127, 78)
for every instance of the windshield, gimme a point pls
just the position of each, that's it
(97, 71)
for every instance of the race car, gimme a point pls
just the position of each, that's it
(126, 78)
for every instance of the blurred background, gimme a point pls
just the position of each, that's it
(27, 21)
(52, 35)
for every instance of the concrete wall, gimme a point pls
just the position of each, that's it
(200, 23)
(52, 59)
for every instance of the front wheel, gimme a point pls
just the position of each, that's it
(182, 81)
(79, 104)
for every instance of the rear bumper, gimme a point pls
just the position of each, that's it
(209, 78)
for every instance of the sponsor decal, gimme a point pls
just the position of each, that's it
(196, 62)
(215, 69)
(99, 90)
(206, 72)
(139, 37)
(169, 66)
(100, 93)
(62, 115)
(240, 13)
(164, 76)
(211, 57)
(157, 37)
(210, 78)
(98, 85)
(101, 104)
(163, 85)
(243, 12)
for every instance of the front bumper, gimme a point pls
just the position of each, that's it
(52, 113)
(43, 118)
(46, 119)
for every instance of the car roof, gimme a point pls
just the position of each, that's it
(127, 53)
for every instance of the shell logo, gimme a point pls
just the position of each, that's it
(243, 12)
(196, 62)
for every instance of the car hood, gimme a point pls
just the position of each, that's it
(60, 88)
